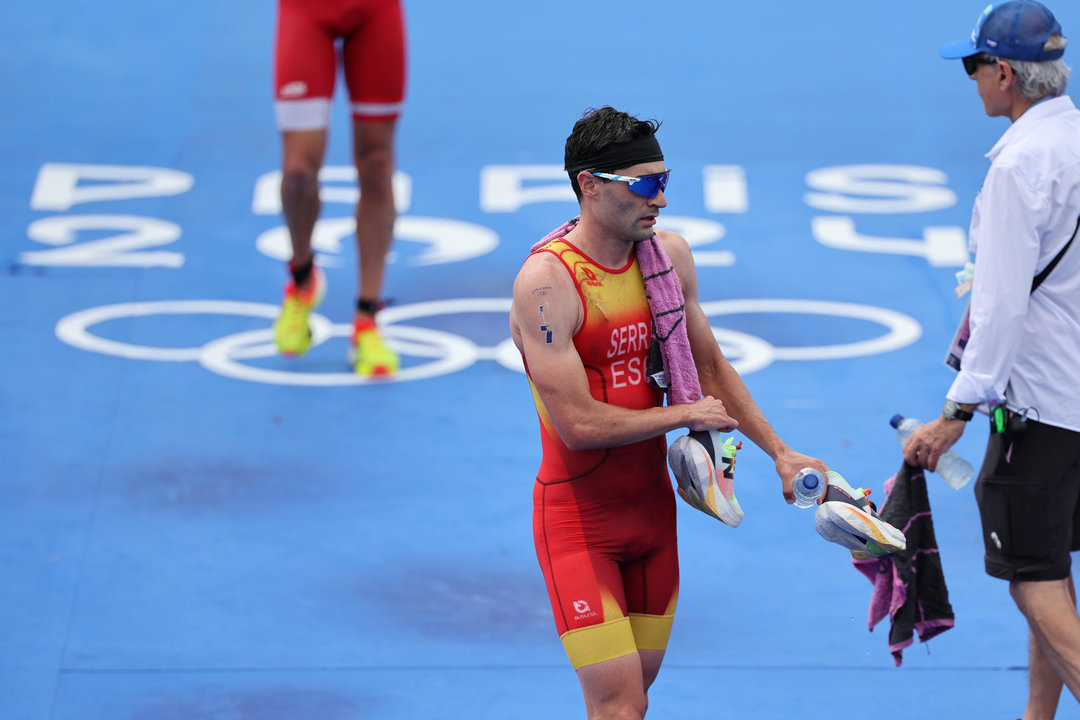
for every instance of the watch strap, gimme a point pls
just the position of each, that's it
(953, 411)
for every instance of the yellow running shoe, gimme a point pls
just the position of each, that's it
(368, 354)
(292, 334)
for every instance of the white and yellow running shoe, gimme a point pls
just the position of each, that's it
(848, 518)
(704, 469)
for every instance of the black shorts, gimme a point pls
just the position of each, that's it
(1027, 493)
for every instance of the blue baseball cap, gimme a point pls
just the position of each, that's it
(1016, 30)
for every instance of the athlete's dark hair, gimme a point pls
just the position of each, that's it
(597, 129)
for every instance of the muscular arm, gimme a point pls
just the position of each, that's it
(546, 340)
(719, 379)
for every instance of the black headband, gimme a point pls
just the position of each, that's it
(613, 156)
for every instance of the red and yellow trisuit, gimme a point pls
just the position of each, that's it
(604, 519)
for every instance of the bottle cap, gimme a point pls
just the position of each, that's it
(896, 420)
(810, 477)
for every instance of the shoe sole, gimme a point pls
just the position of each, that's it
(696, 476)
(857, 530)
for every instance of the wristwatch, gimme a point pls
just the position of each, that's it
(952, 411)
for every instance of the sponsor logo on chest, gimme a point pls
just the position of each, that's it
(590, 278)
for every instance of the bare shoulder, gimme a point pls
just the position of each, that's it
(540, 274)
(544, 281)
(672, 241)
(678, 251)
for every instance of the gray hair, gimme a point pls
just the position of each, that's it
(1042, 79)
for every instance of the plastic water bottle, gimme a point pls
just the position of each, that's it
(954, 469)
(808, 486)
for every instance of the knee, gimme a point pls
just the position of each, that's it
(635, 711)
(624, 708)
(299, 180)
(1019, 591)
(375, 168)
(1039, 600)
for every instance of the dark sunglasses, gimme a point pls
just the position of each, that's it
(972, 62)
(647, 186)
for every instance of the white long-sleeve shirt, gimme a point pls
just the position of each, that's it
(1025, 347)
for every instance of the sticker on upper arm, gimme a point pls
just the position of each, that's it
(546, 327)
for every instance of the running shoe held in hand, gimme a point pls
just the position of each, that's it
(704, 468)
(848, 518)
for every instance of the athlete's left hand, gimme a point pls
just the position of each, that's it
(790, 462)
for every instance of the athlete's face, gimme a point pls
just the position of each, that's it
(626, 212)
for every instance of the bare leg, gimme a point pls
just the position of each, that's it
(650, 666)
(375, 213)
(1044, 685)
(1050, 609)
(302, 157)
(614, 689)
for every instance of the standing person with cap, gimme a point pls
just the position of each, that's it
(604, 509)
(1018, 348)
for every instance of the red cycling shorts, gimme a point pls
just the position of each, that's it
(611, 564)
(372, 53)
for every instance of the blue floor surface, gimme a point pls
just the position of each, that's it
(194, 528)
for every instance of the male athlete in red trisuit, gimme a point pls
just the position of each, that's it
(604, 510)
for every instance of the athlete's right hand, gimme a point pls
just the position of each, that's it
(708, 413)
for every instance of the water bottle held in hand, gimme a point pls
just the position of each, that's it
(808, 486)
(954, 469)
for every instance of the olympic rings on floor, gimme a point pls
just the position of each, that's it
(444, 352)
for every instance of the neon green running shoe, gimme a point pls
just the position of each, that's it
(292, 333)
(368, 354)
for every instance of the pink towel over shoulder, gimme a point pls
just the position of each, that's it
(668, 314)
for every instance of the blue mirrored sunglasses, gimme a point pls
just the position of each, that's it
(647, 186)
